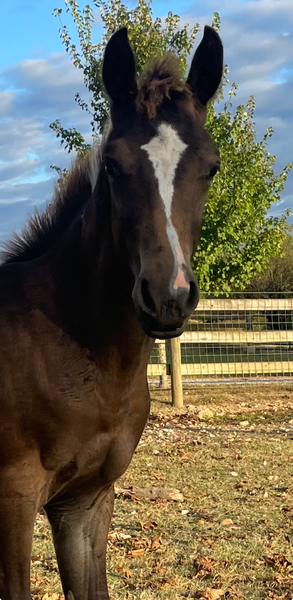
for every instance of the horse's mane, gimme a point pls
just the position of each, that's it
(161, 79)
(42, 230)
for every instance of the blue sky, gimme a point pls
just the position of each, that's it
(38, 84)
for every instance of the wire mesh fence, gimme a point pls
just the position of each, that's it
(232, 338)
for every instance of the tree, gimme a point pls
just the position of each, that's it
(238, 235)
(149, 37)
(278, 277)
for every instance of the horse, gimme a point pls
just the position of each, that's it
(85, 290)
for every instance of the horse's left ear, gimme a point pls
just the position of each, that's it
(207, 67)
(119, 73)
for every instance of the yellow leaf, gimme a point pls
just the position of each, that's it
(128, 574)
(214, 594)
(156, 541)
(137, 552)
(227, 522)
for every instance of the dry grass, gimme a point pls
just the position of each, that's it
(231, 537)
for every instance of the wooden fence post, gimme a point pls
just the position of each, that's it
(176, 379)
(163, 363)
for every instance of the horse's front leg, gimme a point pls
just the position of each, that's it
(80, 534)
(17, 516)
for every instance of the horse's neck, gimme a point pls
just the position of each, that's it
(93, 285)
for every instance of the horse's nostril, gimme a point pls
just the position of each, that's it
(147, 298)
(193, 294)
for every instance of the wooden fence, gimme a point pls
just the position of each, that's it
(228, 338)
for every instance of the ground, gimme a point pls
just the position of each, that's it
(229, 533)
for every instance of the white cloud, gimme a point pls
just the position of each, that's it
(37, 73)
(17, 169)
(6, 100)
(19, 136)
(44, 88)
(35, 93)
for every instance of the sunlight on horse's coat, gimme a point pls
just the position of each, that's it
(165, 151)
(95, 154)
(94, 165)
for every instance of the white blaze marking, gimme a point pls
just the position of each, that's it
(165, 151)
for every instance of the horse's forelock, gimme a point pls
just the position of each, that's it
(159, 80)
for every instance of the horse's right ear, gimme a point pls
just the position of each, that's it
(119, 72)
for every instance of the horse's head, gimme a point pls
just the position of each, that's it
(159, 162)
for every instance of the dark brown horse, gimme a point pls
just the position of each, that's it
(82, 295)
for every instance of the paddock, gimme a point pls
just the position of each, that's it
(229, 536)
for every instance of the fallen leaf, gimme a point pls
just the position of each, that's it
(209, 594)
(205, 414)
(148, 525)
(214, 594)
(127, 574)
(240, 484)
(227, 522)
(138, 552)
(156, 541)
(277, 560)
(204, 566)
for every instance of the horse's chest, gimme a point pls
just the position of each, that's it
(106, 459)
(94, 418)
(98, 460)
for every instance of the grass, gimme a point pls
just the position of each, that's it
(231, 536)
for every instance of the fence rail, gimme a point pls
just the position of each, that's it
(236, 336)
(245, 304)
(231, 338)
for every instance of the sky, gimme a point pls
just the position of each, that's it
(38, 84)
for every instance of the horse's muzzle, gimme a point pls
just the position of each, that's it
(163, 313)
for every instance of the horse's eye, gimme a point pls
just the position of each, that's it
(214, 170)
(110, 167)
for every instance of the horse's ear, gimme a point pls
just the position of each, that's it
(207, 67)
(119, 73)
